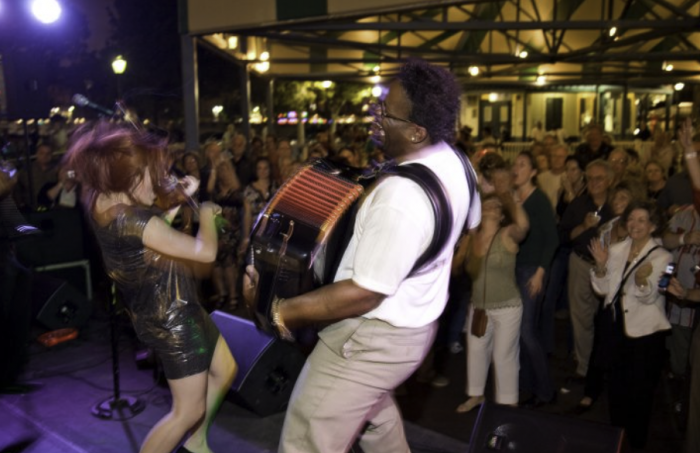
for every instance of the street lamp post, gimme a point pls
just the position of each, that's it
(119, 67)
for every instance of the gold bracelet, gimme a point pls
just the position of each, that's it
(277, 321)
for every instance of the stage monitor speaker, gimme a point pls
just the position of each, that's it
(26, 85)
(510, 429)
(58, 305)
(267, 367)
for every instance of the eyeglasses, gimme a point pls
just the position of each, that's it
(381, 113)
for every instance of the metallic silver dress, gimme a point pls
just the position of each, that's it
(160, 295)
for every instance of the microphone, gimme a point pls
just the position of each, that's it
(82, 101)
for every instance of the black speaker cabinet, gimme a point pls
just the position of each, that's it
(61, 240)
(58, 305)
(510, 429)
(267, 367)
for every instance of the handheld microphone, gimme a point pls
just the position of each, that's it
(82, 101)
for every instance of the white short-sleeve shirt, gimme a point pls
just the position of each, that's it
(394, 226)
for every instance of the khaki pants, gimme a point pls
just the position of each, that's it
(347, 383)
(583, 305)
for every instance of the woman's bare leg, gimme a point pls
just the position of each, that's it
(221, 374)
(189, 407)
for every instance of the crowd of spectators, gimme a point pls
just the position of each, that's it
(554, 222)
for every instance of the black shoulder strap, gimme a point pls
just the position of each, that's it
(431, 185)
(440, 202)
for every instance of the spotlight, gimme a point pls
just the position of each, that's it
(375, 79)
(523, 54)
(612, 32)
(326, 84)
(376, 91)
(46, 11)
(541, 79)
(679, 86)
(474, 70)
(668, 67)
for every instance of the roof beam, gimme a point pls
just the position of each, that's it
(475, 25)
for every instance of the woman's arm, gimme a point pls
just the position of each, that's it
(521, 224)
(684, 294)
(461, 254)
(691, 155)
(600, 273)
(643, 285)
(164, 239)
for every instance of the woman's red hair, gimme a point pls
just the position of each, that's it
(112, 157)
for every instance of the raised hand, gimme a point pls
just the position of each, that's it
(600, 253)
(685, 135)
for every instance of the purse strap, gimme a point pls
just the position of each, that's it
(626, 276)
(486, 258)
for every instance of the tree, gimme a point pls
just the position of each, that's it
(334, 100)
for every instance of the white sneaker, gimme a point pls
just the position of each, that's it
(440, 381)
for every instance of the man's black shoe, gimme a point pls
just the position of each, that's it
(534, 402)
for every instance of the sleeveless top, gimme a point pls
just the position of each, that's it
(498, 276)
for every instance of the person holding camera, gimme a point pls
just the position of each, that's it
(633, 323)
(690, 140)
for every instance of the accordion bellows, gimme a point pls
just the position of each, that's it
(300, 235)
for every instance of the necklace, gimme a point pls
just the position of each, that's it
(635, 253)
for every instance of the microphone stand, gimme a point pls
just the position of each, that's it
(117, 407)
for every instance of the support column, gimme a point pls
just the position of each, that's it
(669, 100)
(245, 100)
(625, 113)
(525, 100)
(190, 91)
(269, 96)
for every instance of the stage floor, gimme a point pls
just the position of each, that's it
(73, 377)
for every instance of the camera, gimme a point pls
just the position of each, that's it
(666, 277)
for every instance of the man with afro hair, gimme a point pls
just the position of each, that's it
(381, 318)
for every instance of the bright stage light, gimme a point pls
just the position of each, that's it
(47, 11)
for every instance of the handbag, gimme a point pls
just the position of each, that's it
(479, 322)
(479, 318)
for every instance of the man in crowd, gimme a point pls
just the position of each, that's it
(593, 147)
(578, 226)
(383, 318)
(550, 180)
(43, 171)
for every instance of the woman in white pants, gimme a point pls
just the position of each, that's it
(491, 265)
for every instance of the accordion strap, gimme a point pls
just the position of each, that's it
(439, 200)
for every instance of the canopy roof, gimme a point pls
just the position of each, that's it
(570, 42)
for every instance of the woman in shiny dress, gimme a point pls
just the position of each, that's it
(120, 168)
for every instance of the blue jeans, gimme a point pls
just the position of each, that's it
(534, 369)
(556, 296)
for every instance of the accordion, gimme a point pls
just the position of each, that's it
(300, 236)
